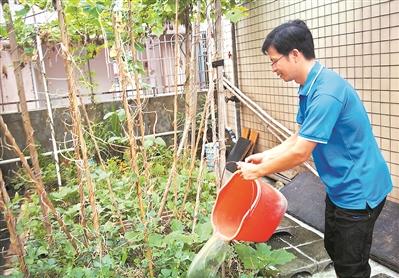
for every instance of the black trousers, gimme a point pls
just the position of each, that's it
(347, 238)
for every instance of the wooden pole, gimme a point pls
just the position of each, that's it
(48, 102)
(221, 161)
(15, 240)
(30, 141)
(78, 138)
(117, 23)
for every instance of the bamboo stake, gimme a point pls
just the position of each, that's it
(187, 39)
(221, 158)
(194, 74)
(15, 240)
(202, 162)
(189, 118)
(211, 99)
(78, 139)
(211, 47)
(198, 195)
(117, 23)
(190, 121)
(137, 85)
(40, 190)
(173, 173)
(177, 59)
(103, 167)
(204, 118)
(30, 141)
(48, 102)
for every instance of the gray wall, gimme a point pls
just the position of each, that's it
(158, 118)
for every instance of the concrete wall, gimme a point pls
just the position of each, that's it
(158, 118)
(358, 39)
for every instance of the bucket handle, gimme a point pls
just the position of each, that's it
(257, 197)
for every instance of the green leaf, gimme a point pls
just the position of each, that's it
(204, 231)
(237, 13)
(148, 142)
(23, 12)
(166, 272)
(109, 114)
(155, 240)
(280, 257)
(247, 256)
(139, 46)
(41, 251)
(121, 115)
(157, 30)
(160, 142)
(101, 174)
(176, 225)
(134, 236)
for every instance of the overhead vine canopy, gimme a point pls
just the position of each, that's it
(90, 23)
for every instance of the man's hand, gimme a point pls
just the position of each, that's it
(248, 171)
(256, 158)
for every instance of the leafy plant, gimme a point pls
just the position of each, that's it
(262, 257)
(171, 240)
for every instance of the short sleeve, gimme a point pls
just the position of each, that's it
(320, 118)
(300, 114)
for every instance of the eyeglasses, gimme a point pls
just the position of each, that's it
(275, 61)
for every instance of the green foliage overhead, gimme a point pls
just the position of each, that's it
(90, 26)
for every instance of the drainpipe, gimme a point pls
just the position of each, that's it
(237, 104)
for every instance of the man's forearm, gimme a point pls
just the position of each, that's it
(281, 148)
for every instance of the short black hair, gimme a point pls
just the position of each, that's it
(288, 36)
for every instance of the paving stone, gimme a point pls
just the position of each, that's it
(316, 251)
(299, 236)
(275, 242)
(300, 265)
(286, 222)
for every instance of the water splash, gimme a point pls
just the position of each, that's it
(209, 259)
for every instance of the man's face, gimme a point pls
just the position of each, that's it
(281, 65)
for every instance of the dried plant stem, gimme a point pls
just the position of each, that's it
(15, 240)
(30, 142)
(204, 119)
(117, 23)
(220, 162)
(103, 167)
(136, 84)
(40, 190)
(190, 121)
(198, 195)
(78, 138)
(194, 74)
(210, 48)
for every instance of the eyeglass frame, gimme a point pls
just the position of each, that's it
(275, 61)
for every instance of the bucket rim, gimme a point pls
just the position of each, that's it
(245, 216)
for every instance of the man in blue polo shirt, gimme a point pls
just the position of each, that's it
(334, 127)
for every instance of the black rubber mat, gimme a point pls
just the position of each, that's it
(306, 196)
(306, 201)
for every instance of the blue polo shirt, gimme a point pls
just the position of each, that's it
(347, 156)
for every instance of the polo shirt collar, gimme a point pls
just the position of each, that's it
(303, 89)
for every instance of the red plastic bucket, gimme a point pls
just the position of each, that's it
(247, 210)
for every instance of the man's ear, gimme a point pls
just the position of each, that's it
(296, 53)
